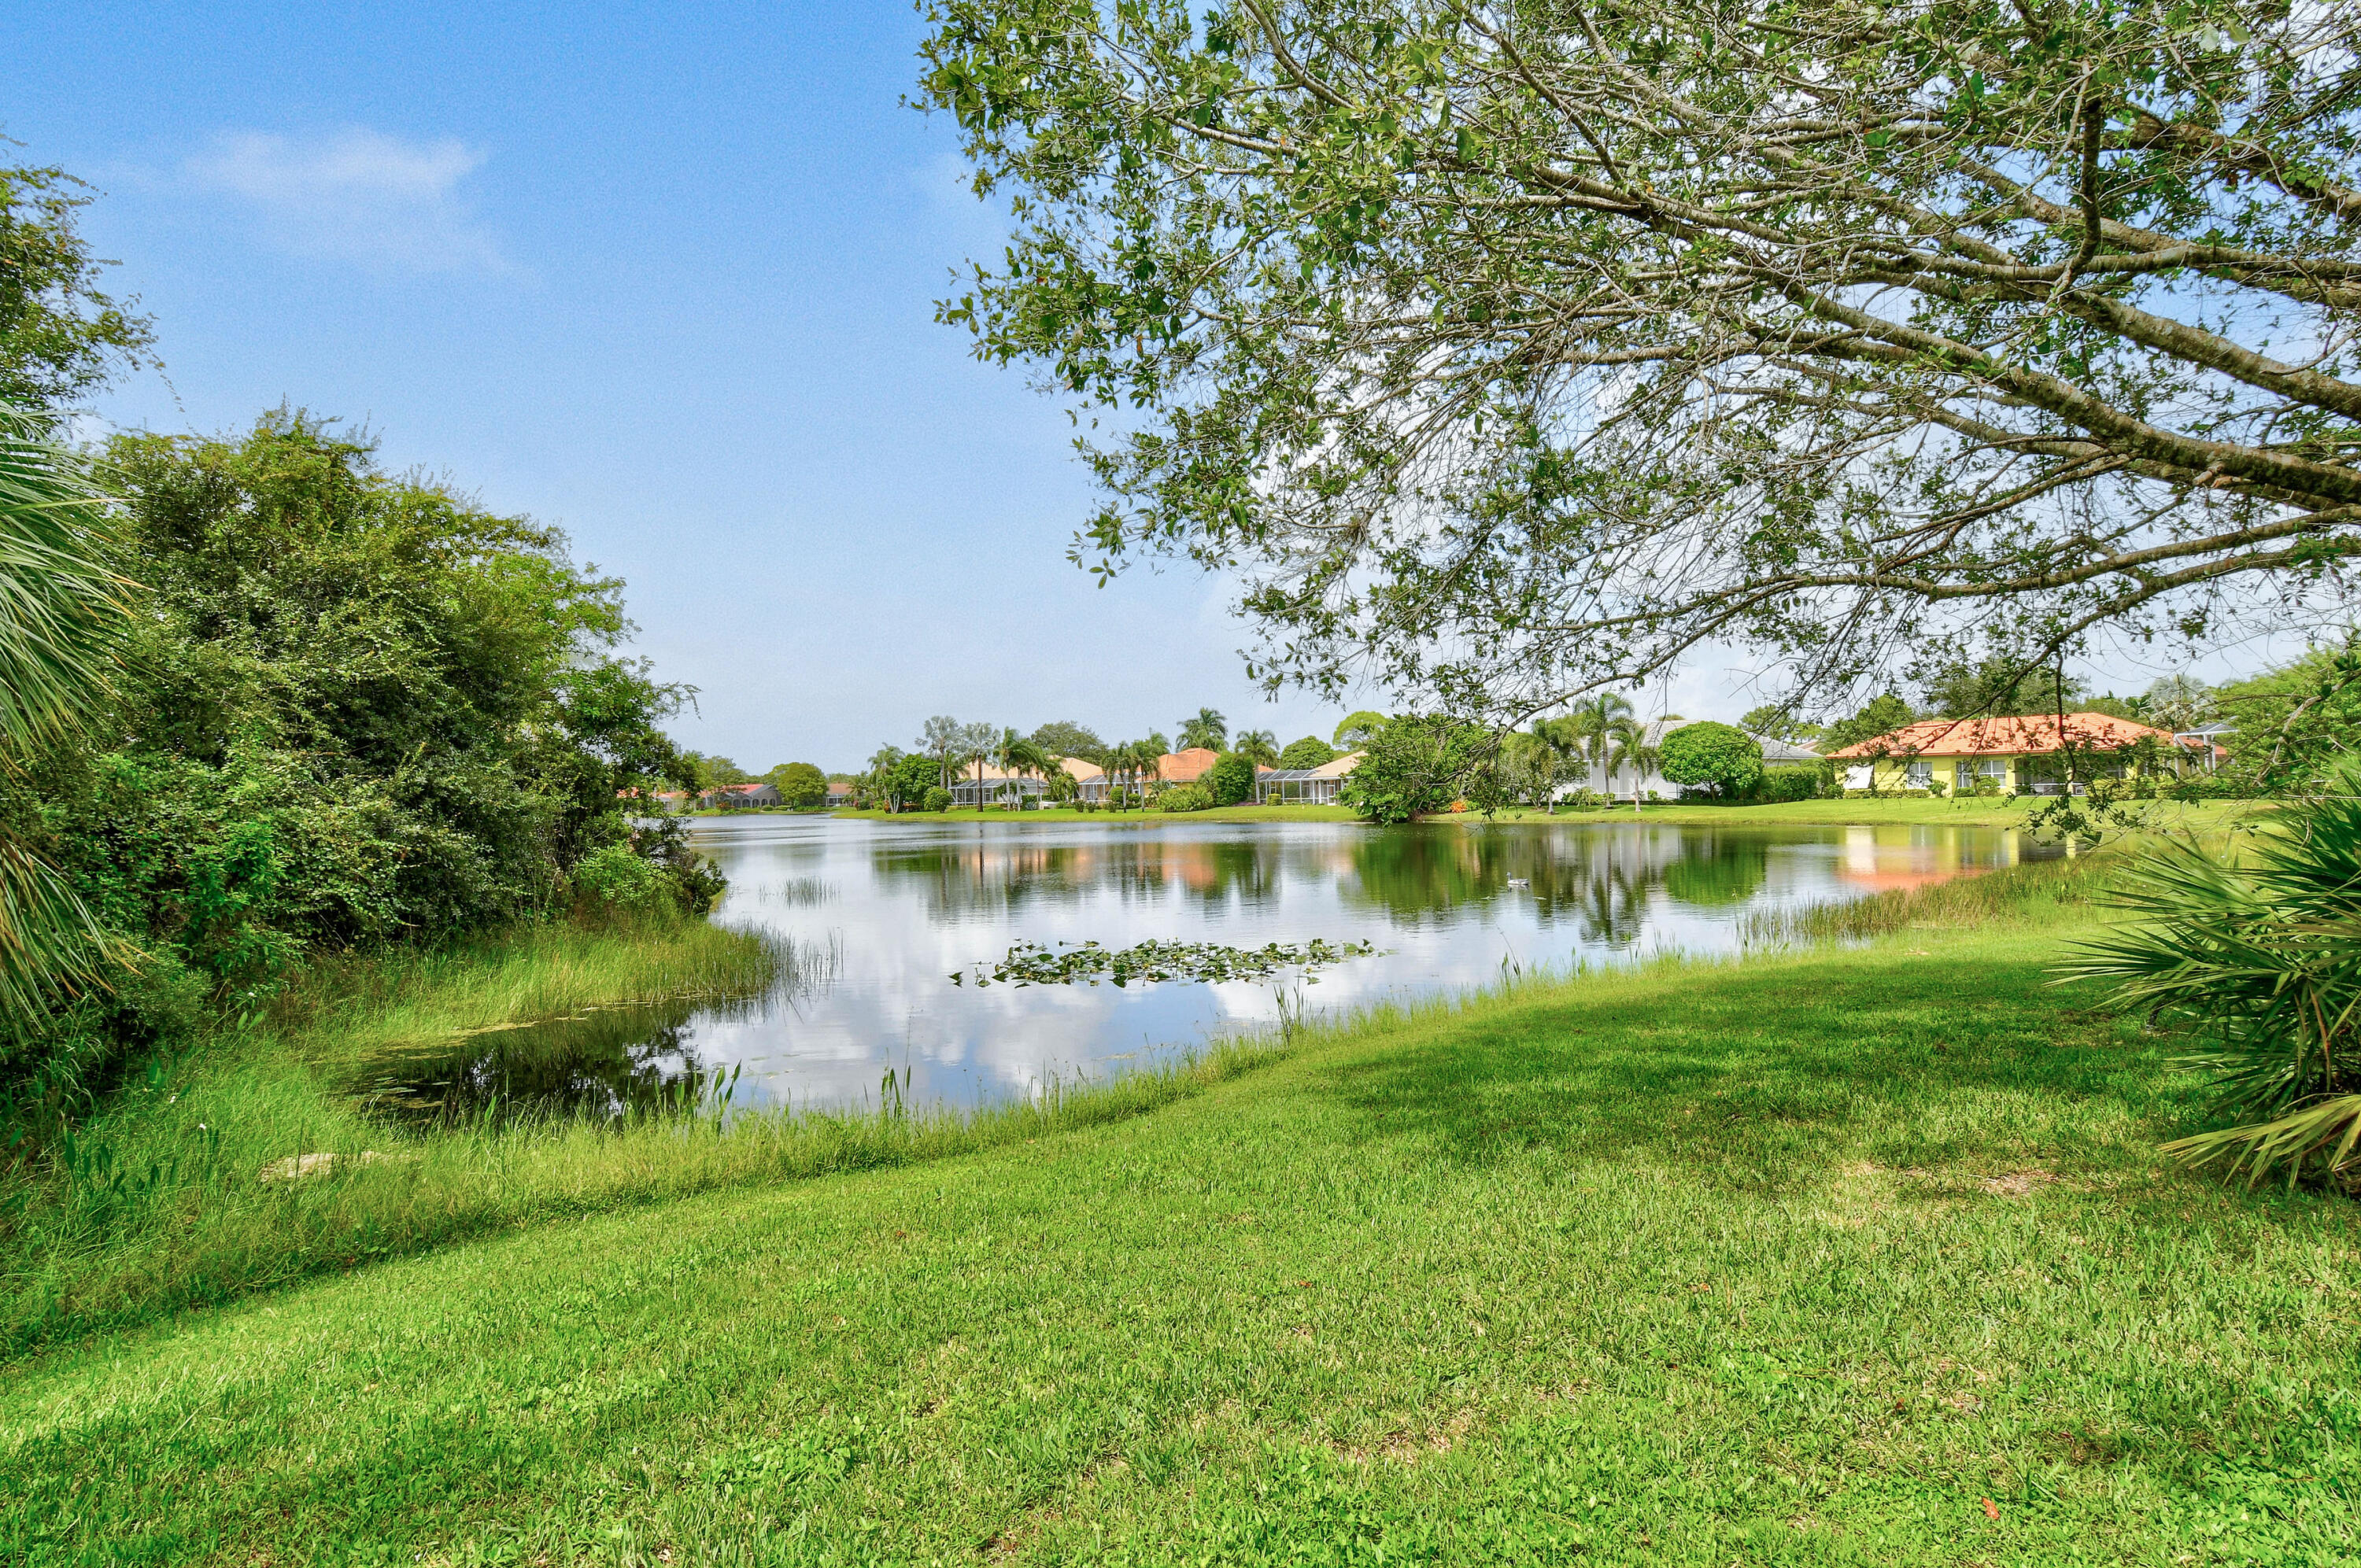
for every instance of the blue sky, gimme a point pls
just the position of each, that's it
(664, 276)
(661, 275)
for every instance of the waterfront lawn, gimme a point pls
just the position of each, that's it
(1848, 1257)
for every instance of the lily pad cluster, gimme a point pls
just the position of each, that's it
(1031, 963)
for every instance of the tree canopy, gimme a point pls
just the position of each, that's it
(1064, 737)
(1509, 351)
(1311, 751)
(1707, 755)
(60, 335)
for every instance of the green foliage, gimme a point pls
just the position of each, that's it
(1259, 747)
(903, 783)
(63, 620)
(1309, 753)
(801, 785)
(1031, 963)
(356, 710)
(712, 772)
(1308, 251)
(1230, 780)
(937, 799)
(1882, 716)
(1415, 765)
(1712, 756)
(1358, 729)
(1780, 786)
(1999, 686)
(60, 336)
(2260, 955)
(1207, 728)
(1064, 737)
(616, 878)
(1184, 797)
(2295, 724)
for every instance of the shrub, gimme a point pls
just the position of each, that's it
(1716, 756)
(1781, 785)
(1230, 780)
(2262, 957)
(937, 799)
(1184, 797)
(616, 877)
(1413, 766)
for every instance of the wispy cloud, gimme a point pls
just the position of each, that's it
(356, 195)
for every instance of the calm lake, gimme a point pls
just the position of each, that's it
(881, 913)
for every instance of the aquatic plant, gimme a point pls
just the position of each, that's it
(1031, 963)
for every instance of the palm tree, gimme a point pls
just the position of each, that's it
(1594, 722)
(1632, 750)
(1014, 754)
(1208, 729)
(60, 618)
(1561, 744)
(1259, 747)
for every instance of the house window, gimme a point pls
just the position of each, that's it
(1921, 774)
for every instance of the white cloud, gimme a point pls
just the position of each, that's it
(356, 195)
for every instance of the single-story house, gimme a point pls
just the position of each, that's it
(740, 797)
(2017, 754)
(839, 794)
(1187, 766)
(1304, 787)
(1091, 782)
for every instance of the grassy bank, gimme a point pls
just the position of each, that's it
(1856, 1256)
(156, 1199)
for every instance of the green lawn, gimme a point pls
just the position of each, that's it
(1858, 1256)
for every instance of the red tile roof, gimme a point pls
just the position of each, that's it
(2004, 737)
(1186, 767)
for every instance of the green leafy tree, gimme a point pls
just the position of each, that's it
(801, 785)
(1311, 751)
(944, 739)
(1358, 729)
(60, 335)
(1413, 766)
(1231, 779)
(1882, 715)
(1064, 737)
(1208, 729)
(353, 710)
(1712, 756)
(712, 772)
(2000, 686)
(1259, 747)
(1507, 352)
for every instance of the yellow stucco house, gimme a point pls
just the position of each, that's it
(2013, 754)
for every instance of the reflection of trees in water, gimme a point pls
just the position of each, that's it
(1600, 879)
(604, 1066)
(1718, 869)
(996, 876)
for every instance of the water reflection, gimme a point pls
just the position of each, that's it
(605, 1066)
(905, 904)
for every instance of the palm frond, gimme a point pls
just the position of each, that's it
(2330, 1130)
(62, 614)
(61, 608)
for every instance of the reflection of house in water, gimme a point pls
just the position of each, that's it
(1881, 859)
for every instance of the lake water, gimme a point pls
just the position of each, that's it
(881, 913)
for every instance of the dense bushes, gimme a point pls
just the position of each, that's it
(356, 709)
(1778, 787)
(1230, 780)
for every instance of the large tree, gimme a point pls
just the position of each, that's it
(1510, 350)
(60, 336)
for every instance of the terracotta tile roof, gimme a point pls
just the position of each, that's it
(2026, 736)
(1186, 767)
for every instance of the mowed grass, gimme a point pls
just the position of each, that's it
(1843, 1256)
